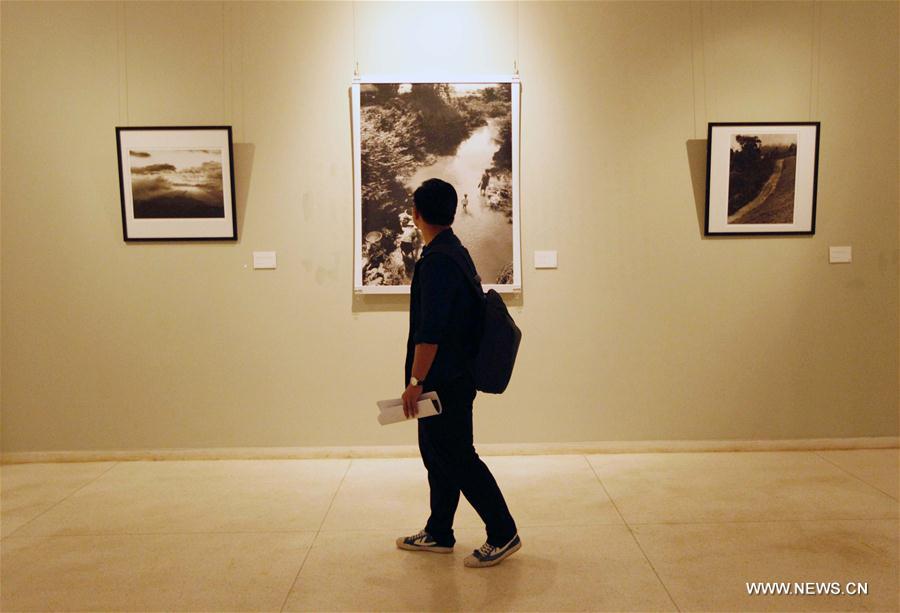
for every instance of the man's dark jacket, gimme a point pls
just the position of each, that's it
(443, 309)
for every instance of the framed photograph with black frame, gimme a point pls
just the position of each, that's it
(176, 183)
(761, 178)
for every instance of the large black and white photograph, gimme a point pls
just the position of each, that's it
(762, 178)
(176, 183)
(465, 133)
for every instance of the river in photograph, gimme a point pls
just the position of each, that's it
(486, 233)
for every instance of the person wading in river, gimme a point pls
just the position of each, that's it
(485, 179)
(440, 349)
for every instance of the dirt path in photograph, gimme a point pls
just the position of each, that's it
(486, 233)
(775, 203)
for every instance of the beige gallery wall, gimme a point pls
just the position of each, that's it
(646, 331)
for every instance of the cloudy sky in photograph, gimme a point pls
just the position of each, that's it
(186, 174)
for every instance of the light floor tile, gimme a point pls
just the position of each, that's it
(197, 496)
(536, 490)
(384, 493)
(720, 486)
(706, 566)
(151, 572)
(154, 534)
(877, 467)
(596, 568)
(27, 490)
(560, 490)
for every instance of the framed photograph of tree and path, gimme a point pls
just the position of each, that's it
(176, 183)
(761, 178)
(464, 131)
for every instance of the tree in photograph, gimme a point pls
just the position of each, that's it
(384, 92)
(749, 170)
(503, 156)
(443, 126)
(389, 145)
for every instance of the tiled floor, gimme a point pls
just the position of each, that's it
(608, 532)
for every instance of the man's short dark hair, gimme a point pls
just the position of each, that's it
(436, 202)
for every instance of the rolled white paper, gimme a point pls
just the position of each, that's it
(391, 411)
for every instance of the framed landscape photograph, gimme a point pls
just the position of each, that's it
(176, 183)
(761, 178)
(464, 131)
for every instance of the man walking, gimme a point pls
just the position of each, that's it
(440, 349)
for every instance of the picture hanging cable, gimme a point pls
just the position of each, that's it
(355, 52)
(123, 61)
(516, 62)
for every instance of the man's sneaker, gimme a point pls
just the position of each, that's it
(489, 555)
(422, 541)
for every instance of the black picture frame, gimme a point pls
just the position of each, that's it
(201, 207)
(755, 195)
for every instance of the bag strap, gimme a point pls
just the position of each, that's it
(475, 284)
(456, 256)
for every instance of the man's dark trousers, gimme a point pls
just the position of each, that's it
(445, 441)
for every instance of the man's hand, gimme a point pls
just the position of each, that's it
(411, 400)
(422, 360)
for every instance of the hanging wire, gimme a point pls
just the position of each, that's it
(516, 61)
(815, 60)
(123, 71)
(226, 59)
(355, 52)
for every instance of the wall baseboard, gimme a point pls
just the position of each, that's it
(486, 449)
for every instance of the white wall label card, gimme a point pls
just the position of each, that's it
(840, 255)
(263, 259)
(545, 259)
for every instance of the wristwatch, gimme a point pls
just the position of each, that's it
(416, 382)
